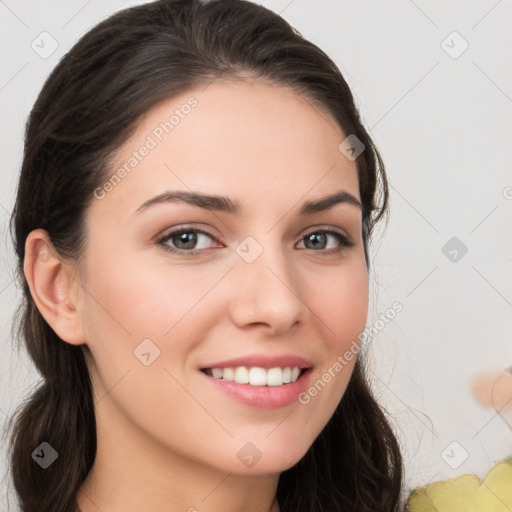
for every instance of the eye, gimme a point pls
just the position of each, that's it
(319, 240)
(184, 240)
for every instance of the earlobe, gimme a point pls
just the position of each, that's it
(53, 287)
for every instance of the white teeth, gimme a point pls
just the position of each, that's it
(227, 373)
(217, 373)
(256, 376)
(241, 375)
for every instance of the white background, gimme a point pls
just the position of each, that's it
(443, 126)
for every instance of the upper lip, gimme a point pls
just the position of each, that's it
(263, 361)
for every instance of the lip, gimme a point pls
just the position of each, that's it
(263, 397)
(266, 361)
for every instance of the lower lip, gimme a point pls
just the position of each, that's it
(265, 397)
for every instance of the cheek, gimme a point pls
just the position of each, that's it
(138, 295)
(131, 300)
(340, 301)
(133, 310)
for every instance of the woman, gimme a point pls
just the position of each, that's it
(192, 223)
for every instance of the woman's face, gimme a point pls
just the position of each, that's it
(264, 281)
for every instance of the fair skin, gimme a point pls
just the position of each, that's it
(168, 439)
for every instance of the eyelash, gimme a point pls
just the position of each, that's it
(342, 238)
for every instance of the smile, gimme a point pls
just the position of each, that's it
(275, 395)
(256, 376)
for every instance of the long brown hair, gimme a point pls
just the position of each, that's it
(88, 107)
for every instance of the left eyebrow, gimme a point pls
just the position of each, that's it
(328, 202)
(227, 205)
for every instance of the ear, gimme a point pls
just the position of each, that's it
(53, 286)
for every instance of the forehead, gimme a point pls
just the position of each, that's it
(248, 140)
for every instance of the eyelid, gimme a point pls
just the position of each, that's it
(185, 229)
(169, 232)
(346, 241)
(182, 227)
(328, 227)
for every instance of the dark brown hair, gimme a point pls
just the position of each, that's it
(88, 107)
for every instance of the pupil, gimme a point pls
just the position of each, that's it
(315, 236)
(192, 239)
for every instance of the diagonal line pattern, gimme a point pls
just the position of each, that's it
(485, 424)
(99, 303)
(3, 3)
(200, 404)
(300, 300)
(415, 209)
(497, 413)
(492, 81)
(113, 386)
(424, 279)
(488, 215)
(485, 15)
(14, 76)
(209, 83)
(278, 424)
(198, 301)
(211, 211)
(1, 205)
(76, 14)
(403, 96)
(286, 6)
(498, 497)
(217, 486)
(424, 14)
(495, 289)
(406, 405)
(90, 499)
(297, 202)
(6, 286)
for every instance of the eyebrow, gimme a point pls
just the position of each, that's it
(233, 207)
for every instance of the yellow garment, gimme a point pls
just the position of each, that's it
(466, 494)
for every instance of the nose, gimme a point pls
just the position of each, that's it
(266, 292)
